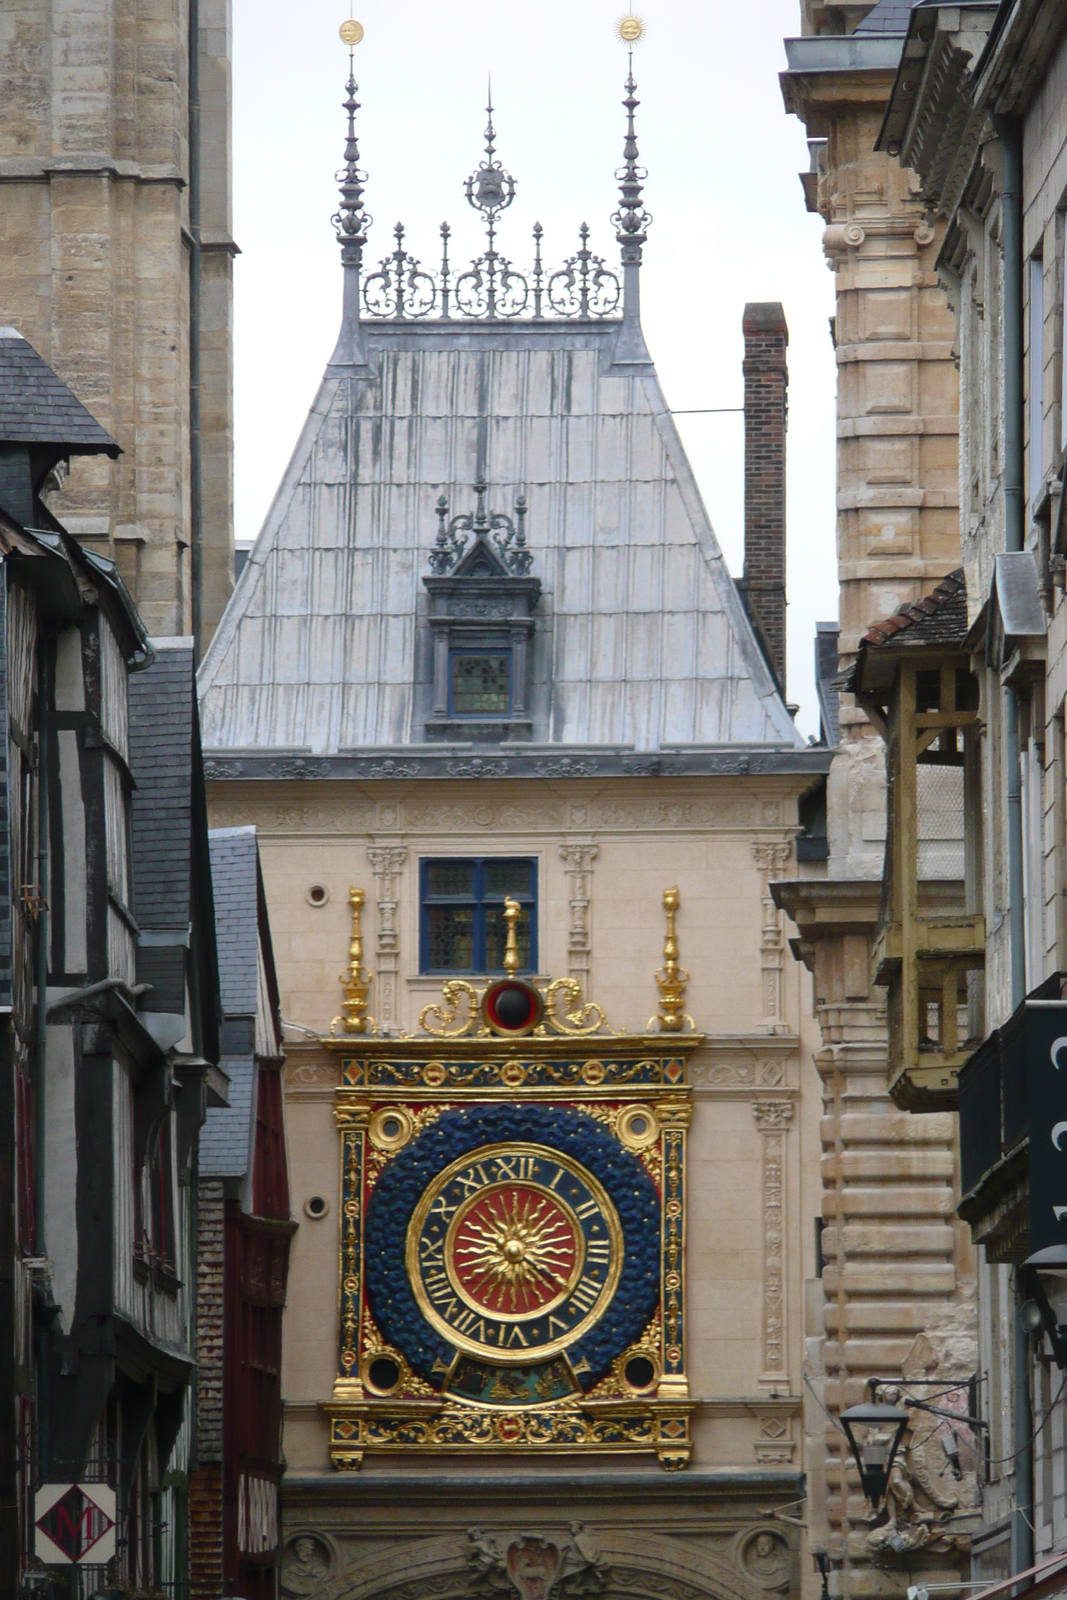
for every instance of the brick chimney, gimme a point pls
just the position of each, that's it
(766, 384)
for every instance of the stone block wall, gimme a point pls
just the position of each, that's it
(94, 271)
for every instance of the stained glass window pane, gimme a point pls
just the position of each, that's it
(450, 877)
(451, 938)
(507, 877)
(481, 685)
(496, 938)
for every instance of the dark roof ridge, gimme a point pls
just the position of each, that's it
(951, 588)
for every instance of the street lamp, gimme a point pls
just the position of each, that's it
(1042, 1275)
(874, 1433)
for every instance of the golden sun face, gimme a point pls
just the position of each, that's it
(515, 1250)
(630, 29)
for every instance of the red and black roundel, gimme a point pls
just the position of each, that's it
(512, 1007)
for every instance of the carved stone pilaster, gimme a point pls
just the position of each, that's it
(386, 862)
(772, 1119)
(771, 859)
(578, 864)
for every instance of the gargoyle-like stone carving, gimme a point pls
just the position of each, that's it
(535, 1565)
(923, 1493)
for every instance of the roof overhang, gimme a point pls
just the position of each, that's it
(1018, 54)
(1015, 638)
(828, 72)
(932, 121)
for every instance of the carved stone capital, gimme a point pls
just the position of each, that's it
(772, 1116)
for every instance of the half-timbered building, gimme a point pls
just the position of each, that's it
(110, 1038)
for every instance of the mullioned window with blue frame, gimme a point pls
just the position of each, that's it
(462, 927)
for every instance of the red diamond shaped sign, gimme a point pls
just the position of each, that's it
(75, 1524)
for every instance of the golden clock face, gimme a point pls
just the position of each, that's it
(513, 1252)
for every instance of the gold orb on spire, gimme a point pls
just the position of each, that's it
(630, 29)
(351, 32)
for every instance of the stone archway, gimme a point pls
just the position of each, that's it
(754, 1564)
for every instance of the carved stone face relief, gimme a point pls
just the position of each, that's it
(765, 1558)
(306, 1564)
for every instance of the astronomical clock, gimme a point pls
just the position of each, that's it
(512, 1249)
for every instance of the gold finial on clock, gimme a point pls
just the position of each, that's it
(512, 913)
(671, 979)
(355, 983)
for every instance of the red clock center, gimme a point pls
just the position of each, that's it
(514, 1249)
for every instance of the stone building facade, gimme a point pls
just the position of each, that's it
(509, 740)
(117, 267)
(980, 118)
(896, 1291)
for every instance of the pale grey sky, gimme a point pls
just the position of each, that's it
(722, 159)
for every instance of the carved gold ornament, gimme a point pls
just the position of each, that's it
(351, 32)
(637, 1127)
(630, 29)
(671, 979)
(390, 1128)
(355, 983)
(462, 1011)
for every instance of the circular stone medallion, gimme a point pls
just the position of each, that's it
(513, 1252)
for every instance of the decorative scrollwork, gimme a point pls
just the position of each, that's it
(584, 286)
(491, 287)
(399, 288)
(582, 1019)
(507, 537)
(447, 1015)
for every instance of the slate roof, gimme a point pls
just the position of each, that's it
(167, 810)
(36, 407)
(888, 16)
(227, 1134)
(826, 669)
(161, 732)
(234, 882)
(643, 642)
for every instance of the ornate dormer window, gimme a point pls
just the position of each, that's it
(482, 601)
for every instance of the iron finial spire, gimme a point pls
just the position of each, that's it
(631, 220)
(350, 220)
(490, 189)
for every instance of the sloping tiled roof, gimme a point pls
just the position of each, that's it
(161, 741)
(938, 618)
(888, 16)
(233, 879)
(642, 640)
(226, 1136)
(36, 407)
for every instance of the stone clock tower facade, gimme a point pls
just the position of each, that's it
(523, 772)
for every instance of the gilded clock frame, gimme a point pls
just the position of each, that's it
(608, 1076)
